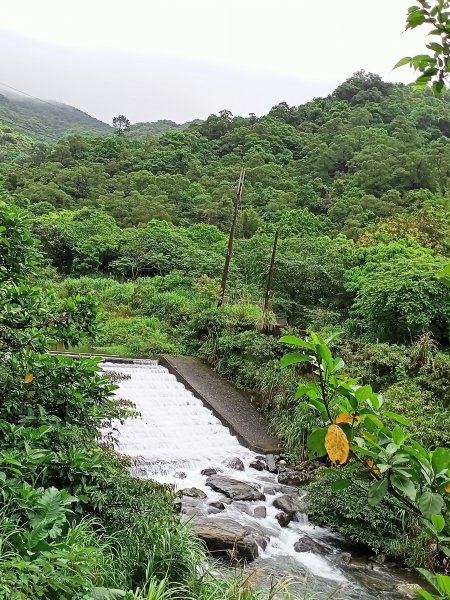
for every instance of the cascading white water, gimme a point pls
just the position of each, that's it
(176, 436)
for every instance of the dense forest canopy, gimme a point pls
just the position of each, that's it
(356, 184)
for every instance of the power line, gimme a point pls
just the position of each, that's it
(25, 93)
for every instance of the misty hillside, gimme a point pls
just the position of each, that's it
(44, 120)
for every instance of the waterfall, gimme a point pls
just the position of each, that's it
(175, 437)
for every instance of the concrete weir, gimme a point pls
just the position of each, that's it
(230, 405)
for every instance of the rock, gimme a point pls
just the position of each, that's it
(243, 507)
(307, 544)
(234, 489)
(309, 465)
(259, 465)
(180, 475)
(260, 512)
(191, 506)
(260, 457)
(216, 504)
(344, 558)
(225, 500)
(193, 492)
(271, 465)
(289, 504)
(283, 519)
(208, 472)
(212, 510)
(408, 589)
(378, 558)
(234, 463)
(225, 536)
(269, 489)
(295, 478)
(281, 463)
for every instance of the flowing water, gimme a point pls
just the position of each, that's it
(176, 437)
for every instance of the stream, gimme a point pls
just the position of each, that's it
(176, 437)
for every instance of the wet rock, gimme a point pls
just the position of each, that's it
(227, 537)
(289, 504)
(281, 463)
(212, 510)
(283, 519)
(190, 506)
(260, 457)
(180, 475)
(234, 489)
(380, 559)
(408, 589)
(295, 478)
(208, 472)
(309, 465)
(193, 492)
(342, 559)
(307, 544)
(243, 507)
(217, 504)
(259, 465)
(269, 489)
(235, 463)
(271, 465)
(225, 500)
(260, 512)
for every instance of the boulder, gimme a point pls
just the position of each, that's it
(243, 507)
(307, 544)
(208, 472)
(289, 504)
(227, 537)
(271, 464)
(216, 504)
(283, 519)
(180, 475)
(190, 506)
(269, 489)
(193, 492)
(260, 512)
(259, 465)
(234, 463)
(343, 559)
(234, 489)
(295, 478)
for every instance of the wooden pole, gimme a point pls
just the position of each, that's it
(229, 253)
(270, 275)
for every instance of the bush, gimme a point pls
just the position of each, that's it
(385, 528)
(144, 336)
(425, 414)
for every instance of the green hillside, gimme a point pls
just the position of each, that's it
(46, 121)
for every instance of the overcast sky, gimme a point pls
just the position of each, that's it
(186, 59)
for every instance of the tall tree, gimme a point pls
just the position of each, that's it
(121, 124)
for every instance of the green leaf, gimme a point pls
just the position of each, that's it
(440, 460)
(293, 358)
(430, 504)
(403, 61)
(438, 522)
(443, 583)
(316, 443)
(395, 417)
(404, 485)
(295, 341)
(398, 435)
(341, 484)
(377, 491)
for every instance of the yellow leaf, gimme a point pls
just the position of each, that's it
(336, 445)
(344, 418)
(373, 467)
(28, 378)
(447, 488)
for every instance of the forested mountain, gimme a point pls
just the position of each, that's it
(140, 130)
(357, 185)
(45, 120)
